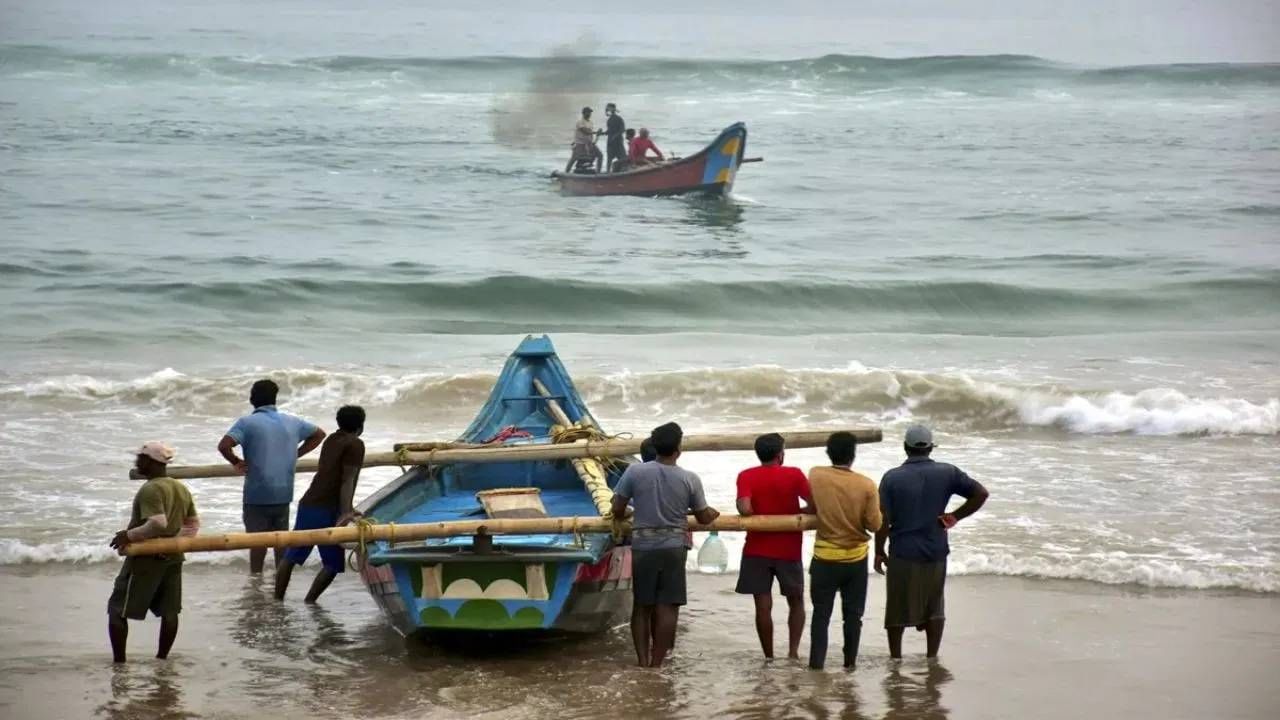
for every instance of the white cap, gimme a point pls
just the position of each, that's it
(157, 451)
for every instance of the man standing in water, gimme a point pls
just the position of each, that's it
(662, 494)
(848, 510)
(328, 502)
(584, 143)
(773, 489)
(272, 442)
(162, 508)
(913, 499)
(614, 128)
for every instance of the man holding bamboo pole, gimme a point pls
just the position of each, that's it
(663, 495)
(162, 508)
(272, 443)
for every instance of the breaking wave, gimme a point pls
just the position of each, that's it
(757, 394)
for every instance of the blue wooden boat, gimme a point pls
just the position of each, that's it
(565, 583)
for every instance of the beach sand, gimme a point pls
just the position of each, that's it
(1015, 648)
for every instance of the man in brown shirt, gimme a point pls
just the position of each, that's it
(848, 509)
(328, 502)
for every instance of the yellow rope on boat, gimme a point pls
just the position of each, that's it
(592, 470)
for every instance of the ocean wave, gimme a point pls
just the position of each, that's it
(18, 552)
(759, 394)
(1117, 569)
(834, 71)
(514, 303)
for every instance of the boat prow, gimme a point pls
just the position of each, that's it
(566, 582)
(710, 171)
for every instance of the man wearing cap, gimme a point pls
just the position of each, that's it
(272, 442)
(913, 501)
(584, 142)
(615, 128)
(162, 508)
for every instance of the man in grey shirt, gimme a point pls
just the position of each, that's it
(663, 494)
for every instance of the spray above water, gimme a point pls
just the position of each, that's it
(559, 86)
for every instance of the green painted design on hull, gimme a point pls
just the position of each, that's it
(482, 615)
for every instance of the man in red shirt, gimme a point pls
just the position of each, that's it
(772, 489)
(640, 147)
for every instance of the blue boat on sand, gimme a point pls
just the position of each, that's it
(567, 582)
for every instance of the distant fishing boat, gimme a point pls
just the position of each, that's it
(708, 172)
(564, 582)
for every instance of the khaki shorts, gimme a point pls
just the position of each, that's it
(147, 583)
(914, 591)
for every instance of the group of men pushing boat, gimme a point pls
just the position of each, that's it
(585, 156)
(908, 512)
(907, 516)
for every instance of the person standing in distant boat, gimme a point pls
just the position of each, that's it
(614, 129)
(584, 143)
(848, 510)
(272, 442)
(638, 153)
(328, 502)
(162, 508)
(772, 488)
(662, 494)
(913, 500)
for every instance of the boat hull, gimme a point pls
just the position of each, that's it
(711, 171)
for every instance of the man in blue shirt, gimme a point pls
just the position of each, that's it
(913, 500)
(272, 443)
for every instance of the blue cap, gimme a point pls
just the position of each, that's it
(919, 437)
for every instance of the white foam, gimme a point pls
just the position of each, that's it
(1157, 411)
(18, 552)
(1116, 568)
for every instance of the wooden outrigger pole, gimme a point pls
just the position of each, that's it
(421, 531)
(409, 454)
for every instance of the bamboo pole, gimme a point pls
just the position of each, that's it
(590, 471)
(454, 528)
(613, 447)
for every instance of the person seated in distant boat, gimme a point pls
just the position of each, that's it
(584, 145)
(640, 147)
(328, 502)
(623, 163)
(162, 508)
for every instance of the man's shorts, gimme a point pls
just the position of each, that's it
(266, 518)
(147, 583)
(658, 576)
(312, 518)
(914, 592)
(756, 575)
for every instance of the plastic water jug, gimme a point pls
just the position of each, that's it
(713, 556)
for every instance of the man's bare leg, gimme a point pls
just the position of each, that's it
(257, 558)
(795, 624)
(118, 631)
(764, 622)
(319, 585)
(641, 632)
(168, 633)
(284, 572)
(665, 618)
(933, 636)
(895, 642)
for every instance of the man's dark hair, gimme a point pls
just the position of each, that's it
(842, 447)
(666, 439)
(769, 447)
(647, 451)
(917, 452)
(630, 133)
(351, 418)
(263, 392)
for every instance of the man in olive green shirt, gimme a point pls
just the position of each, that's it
(162, 508)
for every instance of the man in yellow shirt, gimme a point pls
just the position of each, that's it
(848, 510)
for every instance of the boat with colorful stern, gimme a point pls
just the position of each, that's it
(577, 582)
(710, 171)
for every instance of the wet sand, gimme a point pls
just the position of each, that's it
(1015, 648)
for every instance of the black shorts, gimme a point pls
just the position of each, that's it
(266, 518)
(147, 583)
(756, 575)
(914, 592)
(658, 576)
